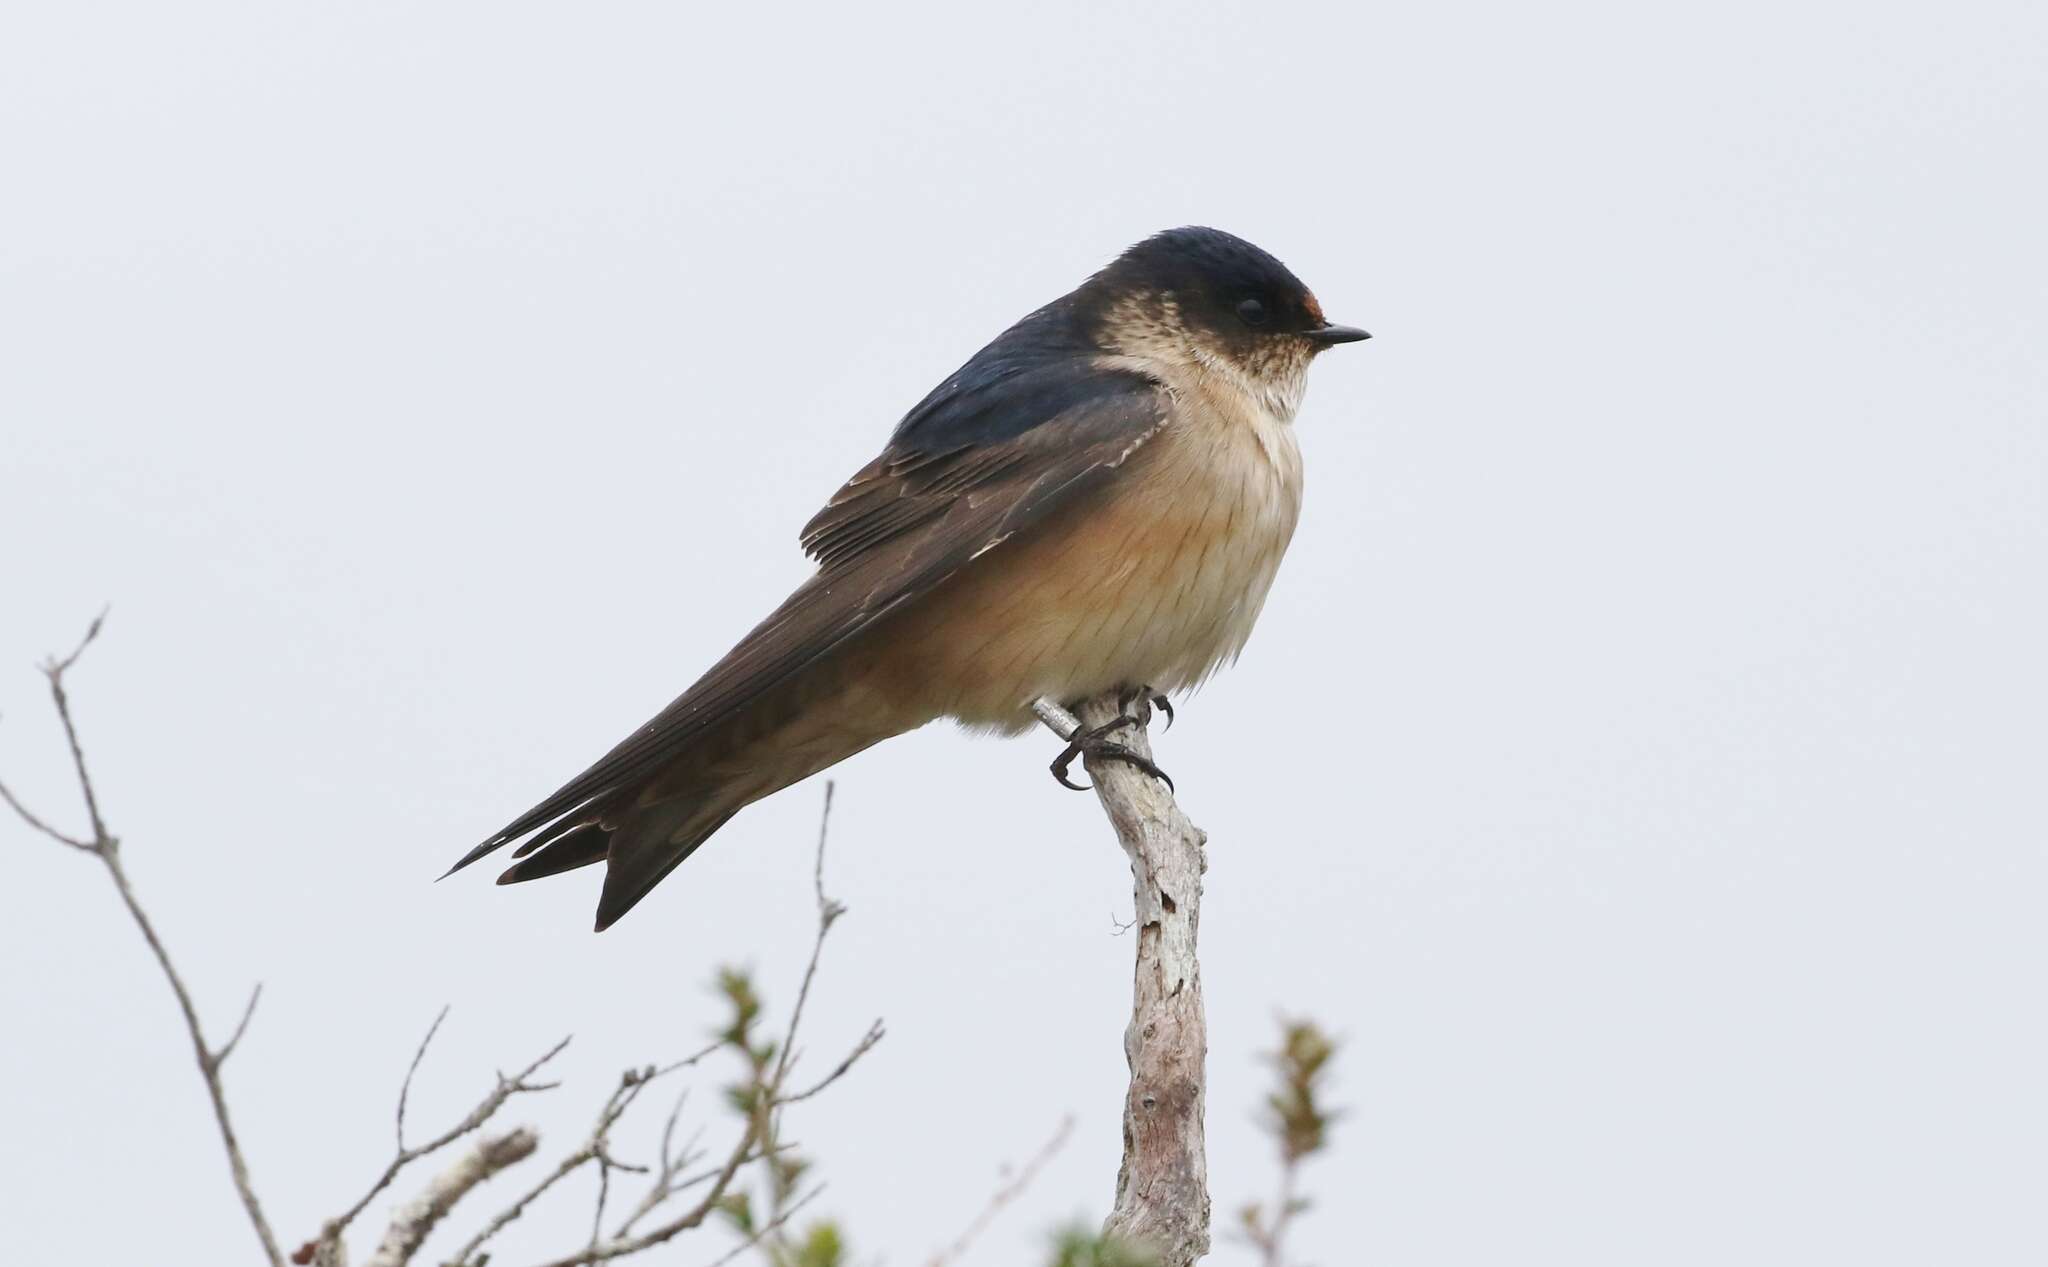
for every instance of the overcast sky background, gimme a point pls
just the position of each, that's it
(435, 390)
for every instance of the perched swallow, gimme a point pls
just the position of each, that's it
(1098, 500)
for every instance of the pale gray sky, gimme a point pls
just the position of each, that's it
(434, 390)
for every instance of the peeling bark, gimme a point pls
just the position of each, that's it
(1162, 1188)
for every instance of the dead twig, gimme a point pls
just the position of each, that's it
(667, 1180)
(1162, 1188)
(105, 846)
(773, 1227)
(631, 1083)
(1009, 1192)
(412, 1221)
(765, 1098)
(486, 1108)
(760, 1141)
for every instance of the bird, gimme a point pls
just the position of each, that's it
(1096, 501)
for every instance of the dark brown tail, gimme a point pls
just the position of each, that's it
(643, 824)
(638, 851)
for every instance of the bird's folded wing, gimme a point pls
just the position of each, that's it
(942, 495)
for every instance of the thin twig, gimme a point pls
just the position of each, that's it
(631, 1083)
(673, 1163)
(59, 667)
(1270, 1238)
(874, 1035)
(106, 847)
(772, 1101)
(1004, 1195)
(618, 1247)
(760, 1140)
(485, 1109)
(55, 670)
(419, 1054)
(418, 1217)
(773, 1226)
(227, 1049)
(828, 912)
(41, 826)
(604, 1188)
(512, 1212)
(818, 860)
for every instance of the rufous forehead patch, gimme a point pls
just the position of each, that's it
(1315, 309)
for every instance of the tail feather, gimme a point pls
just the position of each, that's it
(570, 823)
(579, 845)
(643, 829)
(641, 860)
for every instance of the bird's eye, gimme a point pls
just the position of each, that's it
(1252, 313)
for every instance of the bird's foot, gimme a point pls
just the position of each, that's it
(1095, 741)
(1153, 699)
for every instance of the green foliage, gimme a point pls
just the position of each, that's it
(1080, 1246)
(1294, 1112)
(822, 1246)
(738, 1209)
(737, 985)
(1300, 1123)
(754, 1097)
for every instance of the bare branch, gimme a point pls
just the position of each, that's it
(769, 1107)
(106, 848)
(721, 1180)
(759, 1141)
(604, 1189)
(419, 1054)
(38, 824)
(1009, 1192)
(593, 1148)
(517, 1208)
(219, 1058)
(1162, 1190)
(666, 1181)
(330, 1233)
(828, 909)
(54, 667)
(55, 671)
(867, 1042)
(691, 1059)
(829, 912)
(772, 1227)
(411, 1223)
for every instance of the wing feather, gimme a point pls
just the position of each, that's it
(937, 499)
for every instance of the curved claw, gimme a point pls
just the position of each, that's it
(1085, 740)
(1157, 699)
(1118, 752)
(1097, 742)
(1060, 766)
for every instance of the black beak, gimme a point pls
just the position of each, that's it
(1328, 336)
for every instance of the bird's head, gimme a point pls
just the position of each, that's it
(1207, 297)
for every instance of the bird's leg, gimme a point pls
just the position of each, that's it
(1096, 742)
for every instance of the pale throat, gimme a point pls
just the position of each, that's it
(1148, 330)
(1273, 384)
